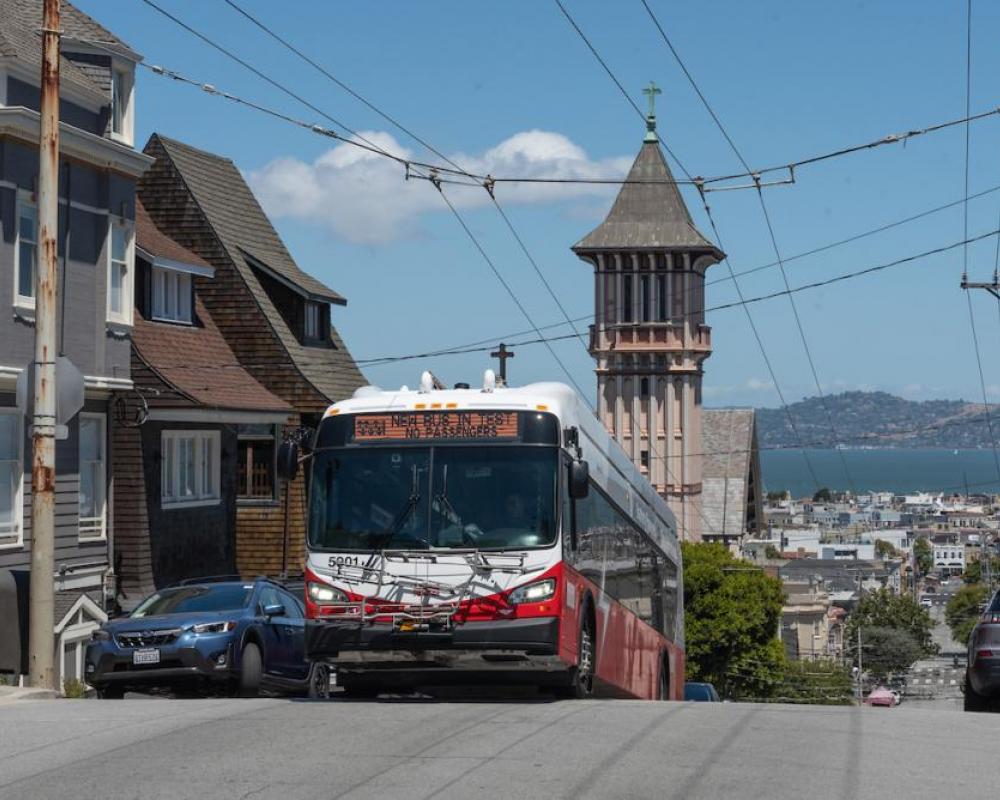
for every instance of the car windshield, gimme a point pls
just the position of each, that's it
(433, 497)
(188, 599)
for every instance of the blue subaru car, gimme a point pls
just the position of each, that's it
(239, 636)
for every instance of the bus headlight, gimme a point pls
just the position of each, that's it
(533, 592)
(322, 593)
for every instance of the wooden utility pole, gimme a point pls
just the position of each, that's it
(43, 431)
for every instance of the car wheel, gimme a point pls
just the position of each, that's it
(319, 681)
(582, 677)
(974, 701)
(251, 670)
(110, 692)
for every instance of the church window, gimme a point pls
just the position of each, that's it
(644, 299)
(678, 298)
(644, 387)
(644, 459)
(626, 298)
(661, 297)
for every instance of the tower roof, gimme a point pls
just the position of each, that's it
(649, 212)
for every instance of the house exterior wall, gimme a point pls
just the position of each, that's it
(24, 94)
(195, 541)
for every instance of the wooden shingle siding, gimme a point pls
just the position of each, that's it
(260, 534)
(132, 552)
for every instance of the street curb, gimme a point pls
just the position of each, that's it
(11, 694)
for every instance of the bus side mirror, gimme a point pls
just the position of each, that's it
(288, 460)
(579, 479)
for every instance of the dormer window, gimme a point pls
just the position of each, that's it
(171, 295)
(121, 104)
(312, 330)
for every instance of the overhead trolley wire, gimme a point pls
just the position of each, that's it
(753, 326)
(965, 246)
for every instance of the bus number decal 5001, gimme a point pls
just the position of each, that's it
(345, 561)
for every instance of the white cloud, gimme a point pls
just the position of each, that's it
(363, 197)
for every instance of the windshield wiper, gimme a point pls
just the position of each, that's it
(384, 537)
(441, 498)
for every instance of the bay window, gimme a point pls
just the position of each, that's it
(11, 478)
(120, 260)
(93, 477)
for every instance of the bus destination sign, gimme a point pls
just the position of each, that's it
(417, 425)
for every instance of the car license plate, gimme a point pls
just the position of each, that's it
(146, 657)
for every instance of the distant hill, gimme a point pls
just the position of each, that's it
(878, 419)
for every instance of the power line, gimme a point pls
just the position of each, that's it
(965, 228)
(770, 227)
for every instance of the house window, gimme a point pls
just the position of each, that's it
(190, 468)
(255, 454)
(171, 295)
(11, 471)
(313, 327)
(26, 249)
(93, 477)
(120, 272)
(121, 101)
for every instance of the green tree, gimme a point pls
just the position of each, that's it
(817, 682)
(974, 571)
(777, 497)
(883, 608)
(924, 553)
(822, 496)
(962, 610)
(770, 551)
(886, 650)
(884, 549)
(732, 611)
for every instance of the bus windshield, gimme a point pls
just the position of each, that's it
(492, 497)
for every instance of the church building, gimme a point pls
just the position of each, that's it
(650, 341)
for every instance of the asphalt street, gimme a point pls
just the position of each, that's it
(271, 748)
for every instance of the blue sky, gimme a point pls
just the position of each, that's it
(512, 86)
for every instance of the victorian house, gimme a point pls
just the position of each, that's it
(98, 169)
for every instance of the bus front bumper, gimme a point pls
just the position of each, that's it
(507, 646)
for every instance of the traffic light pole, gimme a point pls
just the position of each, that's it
(43, 433)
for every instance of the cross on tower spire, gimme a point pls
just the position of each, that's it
(651, 91)
(502, 354)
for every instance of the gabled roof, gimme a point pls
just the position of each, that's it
(243, 229)
(649, 212)
(20, 38)
(151, 239)
(236, 216)
(196, 361)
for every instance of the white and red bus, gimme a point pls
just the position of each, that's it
(496, 535)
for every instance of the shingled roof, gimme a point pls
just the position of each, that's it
(194, 359)
(649, 212)
(250, 241)
(729, 440)
(20, 38)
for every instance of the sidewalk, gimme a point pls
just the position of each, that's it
(10, 694)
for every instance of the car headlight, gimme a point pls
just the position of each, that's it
(322, 593)
(213, 627)
(533, 592)
(100, 635)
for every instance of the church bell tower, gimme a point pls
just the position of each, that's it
(649, 335)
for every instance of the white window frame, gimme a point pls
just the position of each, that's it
(127, 133)
(96, 528)
(127, 300)
(176, 285)
(24, 198)
(15, 538)
(204, 442)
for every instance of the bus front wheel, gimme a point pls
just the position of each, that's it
(582, 675)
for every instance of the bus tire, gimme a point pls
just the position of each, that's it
(359, 688)
(581, 684)
(664, 687)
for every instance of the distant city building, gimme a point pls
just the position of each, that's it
(949, 558)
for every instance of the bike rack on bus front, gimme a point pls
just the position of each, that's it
(373, 607)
